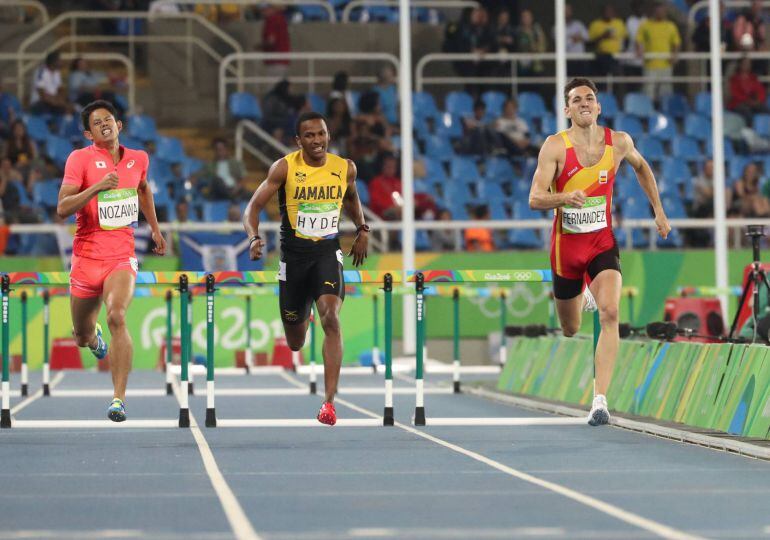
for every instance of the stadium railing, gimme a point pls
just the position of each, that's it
(311, 79)
(324, 4)
(703, 5)
(360, 4)
(33, 4)
(92, 57)
(70, 19)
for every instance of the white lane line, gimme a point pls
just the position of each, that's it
(513, 421)
(664, 531)
(31, 399)
(298, 422)
(239, 523)
(94, 424)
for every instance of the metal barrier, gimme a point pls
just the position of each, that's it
(703, 5)
(322, 3)
(91, 56)
(34, 4)
(311, 78)
(242, 144)
(360, 4)
(72, 17)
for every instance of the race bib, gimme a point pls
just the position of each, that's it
(591, 217)
(318, 220)
(118, 208)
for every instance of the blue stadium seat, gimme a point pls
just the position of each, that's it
(363, 193)
(531, 105)
(638, 104)
(675, 105)
(499, 170)
(609, 104)
(142, 127)
(215, 211)
(434, 171)
(547, 125)
(37, 128)
(663, 127)
(191, 165)
(459, 103)
(389, 102)
(312, 12)
(735, 167)
(450, 126)
(729, 147)
(129, 142)
(9, 101)
(525, 238)
(424, 106)
(170, 149)
(761, 124)
(437, 147)
(703, 103)
(675, 170)
(674, 240)
(629, 124)
(422, 240)
(58, 149)
(494, 102)
(520, 210)
(159, 170)
(45, 193)
(651, 148)
(491, 193)
(71, 128)
(686, 148)
(244, 105)
(698, 127)
(463, 168)
(317, 102)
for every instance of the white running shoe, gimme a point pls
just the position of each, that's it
(589, 302)
(599, 414)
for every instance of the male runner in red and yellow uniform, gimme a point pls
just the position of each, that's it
(575, 175)
(105, 184)
(313, 186)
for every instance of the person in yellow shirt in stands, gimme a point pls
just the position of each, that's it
(658, 35)
(607, 36)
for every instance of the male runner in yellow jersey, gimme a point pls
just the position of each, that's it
(312, 186)
(574, 176)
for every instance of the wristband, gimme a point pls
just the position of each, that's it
(363, 227)
(253, 238)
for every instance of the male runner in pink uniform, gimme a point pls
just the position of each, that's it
(105, 184)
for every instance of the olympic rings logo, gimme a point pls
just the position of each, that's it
(524, 275)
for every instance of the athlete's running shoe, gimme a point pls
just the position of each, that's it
(589, 303)
(599, 414)
(327, 414)
(117, 410)
(101, 346)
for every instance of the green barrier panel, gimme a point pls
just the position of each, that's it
(535, 380)
(740, 394)
(758, 423)
(581, 375)
(515, 363)
(679, 376)
(734, 366)
(687, 398)
(637, 371)
(528, 359)
(623, 367)
(699, 409)
(549, 379)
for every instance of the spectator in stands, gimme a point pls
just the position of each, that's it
(339, 121)
(703, 196)
(8, 104)
(658, 35)
(182, 212)
(745, 199)
(19, 148)
(577, 37)
(279, 109)
(275, 38)
(479, 137)
(607, 35)
(386, 88)
(48, 95)
(340, 90)
(701, 37)
(513, 131)
(443, 239)
(479, 238)
(749, 28)
(633, 67)
(11, 182)
(505, 33)
(234, 213)
(476, 37)
(530, 38)
(385, 191)
(226, 175)
(219, 13)
(86, 85)
(747, 94)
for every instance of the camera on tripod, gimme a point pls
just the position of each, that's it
(757, 280)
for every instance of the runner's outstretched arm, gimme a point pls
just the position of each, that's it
(276, 178)
(646, 179)
(352, 205)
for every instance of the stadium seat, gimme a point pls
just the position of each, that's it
(215, 211)
(170, 149)
(463, 168)
(675, 105)
(761, 124)
(9, 101)
(735, 167)
(45, 193)
(703, 103)
(729, 148)
(686, 148)
(494, 102)
(363, 192)
(450, 126)
(129, 142)
(609, 104)
(434, 171)
(58, 149)
(531, 105)
(525, 238)
(24, 199)
(674, 240)
(312, 12)
(629, 124)
(663, 127)
(498, 170)
(698, 127)
(71, 128)
(142, 127)
(424, 106)
(317, 102)
(675, 170)
(459, 104)
(191, 166)
(651, 148)
(547, 125)
(491, 193)
(422, 240)
(638, 104)
(159, 170)
(244, 105)
(37, 128)
(438, 147)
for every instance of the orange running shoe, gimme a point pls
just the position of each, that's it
(327, 414)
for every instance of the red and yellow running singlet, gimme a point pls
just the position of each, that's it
(580, 234)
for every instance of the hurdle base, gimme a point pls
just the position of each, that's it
(46, 390)
(190, 388)
(387, 417)
(211, 418)
(184, 418)
(169, 389)
(419, 416)
(24, 390)
(5, 418)
(457, 387)
(313, 388)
